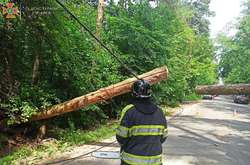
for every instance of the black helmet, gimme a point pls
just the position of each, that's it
(141, 89)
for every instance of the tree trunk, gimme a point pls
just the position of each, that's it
(102, 94)
(99, 19)
(8, 86)
(37, 60)
(35, 72)
(41, 132)
(224, 89)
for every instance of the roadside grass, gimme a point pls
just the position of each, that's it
(65, 141)
(192, 97)
(78, 137)
(170, 110)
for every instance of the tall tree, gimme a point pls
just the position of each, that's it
(235, 52)
(201, 12)
(246, 6)
(99, 19)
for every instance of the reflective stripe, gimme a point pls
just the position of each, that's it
(141, 160)
(141, 130)
(125, 110)
(146, 130)
(122, 131)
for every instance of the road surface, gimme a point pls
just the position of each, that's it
(212, 132)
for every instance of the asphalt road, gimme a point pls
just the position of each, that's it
(213, 132)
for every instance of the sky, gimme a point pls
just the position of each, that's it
(226, 11)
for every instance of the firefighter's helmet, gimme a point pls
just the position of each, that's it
(141, 89)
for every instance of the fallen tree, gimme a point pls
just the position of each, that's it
(231, 89)
(102, 94)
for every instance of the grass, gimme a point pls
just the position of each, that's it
(21, 153)
(170, 110)
(192, 97)
(67, 139)
(78, 137)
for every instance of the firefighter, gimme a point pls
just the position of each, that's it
(142, 129)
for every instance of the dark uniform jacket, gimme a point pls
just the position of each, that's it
(142, 130)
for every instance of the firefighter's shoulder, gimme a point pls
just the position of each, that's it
(126, 109)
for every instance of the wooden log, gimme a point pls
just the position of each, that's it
(102, 94)
(230, 89)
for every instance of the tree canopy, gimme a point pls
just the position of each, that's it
(234, 51)
(47, 58)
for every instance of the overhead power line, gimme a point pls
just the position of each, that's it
(97, 40)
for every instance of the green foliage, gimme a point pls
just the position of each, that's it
(16, 105)
(3, 2)
(79, 137)
(66, 139)
(30, 100)
(201, 12)
(95, 115)
(49, 59)
(71, 64)
(146, 41)
(192, 96)
(234, 53)
(20, 154)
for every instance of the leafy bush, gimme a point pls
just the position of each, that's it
(29, 101)
(72, 64)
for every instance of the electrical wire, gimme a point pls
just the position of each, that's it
(112, 54)
(97, 40)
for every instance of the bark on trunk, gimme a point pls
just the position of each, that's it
(35, 72)
(102, 94)
(41, 132)
(37, 60)
(99, 19)
(224, 89)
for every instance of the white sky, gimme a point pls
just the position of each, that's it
(226, 11)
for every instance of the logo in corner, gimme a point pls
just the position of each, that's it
(9, 11)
